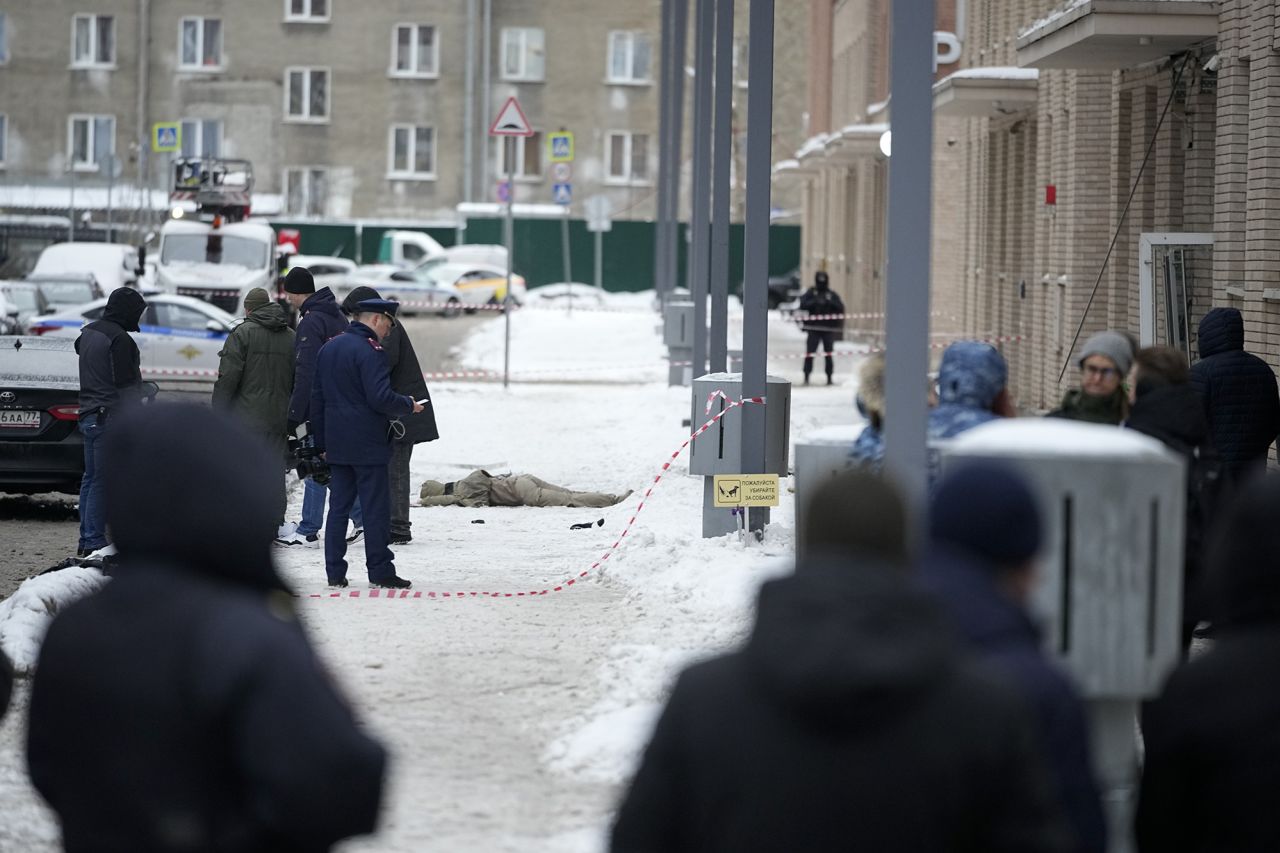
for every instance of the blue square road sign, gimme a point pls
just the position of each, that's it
(562, 193)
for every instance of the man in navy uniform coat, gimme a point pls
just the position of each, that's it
(351, 407)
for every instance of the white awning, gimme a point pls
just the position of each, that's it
(1106, 35)
(987, 92)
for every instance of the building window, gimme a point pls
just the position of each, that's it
(4, 139)
(4, 40)
(524, 54)
(413, 152)
(201, 43)
(630, 56)
(528, 157)
(306, 191)
(201, 137)
(306, 11)
(93, 41)
(413, 51)
(90, 141)
(306, 94)
(628, 158)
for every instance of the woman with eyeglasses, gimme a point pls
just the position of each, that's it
(1101, 398)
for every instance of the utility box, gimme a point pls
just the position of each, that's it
(719, 449)
(677, 334)
(1113, 506)
(820, 456)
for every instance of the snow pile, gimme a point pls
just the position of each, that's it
(1057, 437)
(25, 615)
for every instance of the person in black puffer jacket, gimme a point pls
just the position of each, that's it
(1239, 393)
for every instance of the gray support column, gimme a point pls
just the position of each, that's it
(661, 221)
(680, 32)
(469, 108)
(486, 107)
(721, 157)
(755, 285)
(907, 279)
(700, 215)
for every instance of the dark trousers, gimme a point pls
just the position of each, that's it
(369, 482)
(398, 475)
(828, 341)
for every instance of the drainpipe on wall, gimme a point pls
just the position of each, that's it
(469, 108)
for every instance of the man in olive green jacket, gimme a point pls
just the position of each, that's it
(480, 488)
(255, 377)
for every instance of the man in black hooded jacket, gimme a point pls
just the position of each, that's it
(181, 707)
(110, 378)
(849, 721)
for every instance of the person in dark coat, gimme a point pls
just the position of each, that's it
(181, 707)
(320, 320)
(110, 380)
(849, 720)
(255, 381)
(825, 318)
(1212, 756)
(1166, 407)
(352, 406)
(1105, 360)
(985, 531)
(1239, 393)
(6, 682)
(407, 379)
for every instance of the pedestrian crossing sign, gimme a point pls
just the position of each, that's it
(562, 193)
(166, 136)
(561, 146)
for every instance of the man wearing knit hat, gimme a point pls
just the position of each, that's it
(255, 380)
(320, 319)
(1105, 360)
(985, 532)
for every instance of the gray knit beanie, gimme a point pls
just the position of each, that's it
(1113, 345)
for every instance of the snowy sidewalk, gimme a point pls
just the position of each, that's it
(514, 723)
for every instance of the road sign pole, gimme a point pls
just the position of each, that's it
(72, 229)
(511, 250)
(599, 261)
(111, 180)
(564, 245)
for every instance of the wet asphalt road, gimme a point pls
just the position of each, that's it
(39, 531)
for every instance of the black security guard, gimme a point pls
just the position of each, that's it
(351, 407)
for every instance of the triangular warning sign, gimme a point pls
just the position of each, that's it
(510, 121)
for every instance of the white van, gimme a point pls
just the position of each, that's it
(112, 264)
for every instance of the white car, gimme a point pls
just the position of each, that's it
(415, 295)
(477, 284)
(178, 337)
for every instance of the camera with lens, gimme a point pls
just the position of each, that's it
(306, 459)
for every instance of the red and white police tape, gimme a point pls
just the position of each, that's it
(568, 582)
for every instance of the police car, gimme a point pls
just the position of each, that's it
(178, 337)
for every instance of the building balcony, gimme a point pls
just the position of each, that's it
(1107, 35)
(989, 92)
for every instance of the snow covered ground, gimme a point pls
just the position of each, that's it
(514, 723)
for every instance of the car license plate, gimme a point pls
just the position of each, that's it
(26, 420)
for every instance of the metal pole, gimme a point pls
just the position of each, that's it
(755, 284)
(663, 213)
(510, 142)
(907, 280)
(720, 160)
(680, 31)
(111, 180)
(487, 60)
(72, 237)
(564, 247)
(469, 108)
(600, 261)
(699, 248)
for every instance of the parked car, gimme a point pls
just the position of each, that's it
(177, 334)
(63, 291)
(111, 264)
(566, 293)
(40, 447)
(477, 284)
(21, 300)
(416, 295)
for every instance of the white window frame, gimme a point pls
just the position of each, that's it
(410, 174)
(4, 39)
(627, 180)
(307, 17)
(4, 140)
(199, 135)
(523, 75)
(91, 140)
(201, 32)
(93, 62)
(431, 73)
(306, 171)
(630, 79)
(523, 143)
(307, 72)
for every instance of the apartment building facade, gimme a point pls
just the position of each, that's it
(346, 110)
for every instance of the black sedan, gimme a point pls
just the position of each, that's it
(40, 446)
